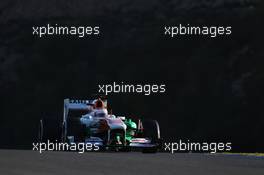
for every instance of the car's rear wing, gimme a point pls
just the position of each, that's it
(81, 105)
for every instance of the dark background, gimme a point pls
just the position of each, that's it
(214, 85)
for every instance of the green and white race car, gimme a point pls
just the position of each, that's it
(91, 121)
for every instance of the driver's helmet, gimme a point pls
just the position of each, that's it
(99, 108)
(98, 104)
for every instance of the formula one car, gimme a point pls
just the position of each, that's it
(91, 121)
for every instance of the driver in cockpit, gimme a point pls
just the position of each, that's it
(99, 109)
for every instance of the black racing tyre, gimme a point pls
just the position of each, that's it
(40, 131)
(49, 129)
(63, 133)
(76, 128)
(151, 130)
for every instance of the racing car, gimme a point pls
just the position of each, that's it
(92, 121)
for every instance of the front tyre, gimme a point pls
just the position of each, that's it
(48, 129)
(151, 131)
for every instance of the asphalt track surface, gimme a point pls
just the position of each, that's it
(15, 162)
